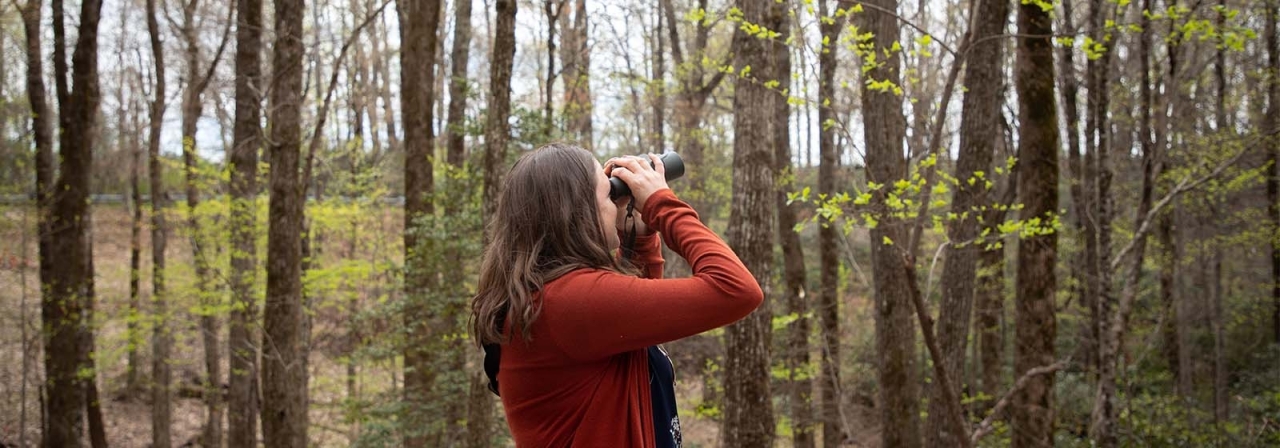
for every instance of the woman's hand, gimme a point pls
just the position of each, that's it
(643, 178)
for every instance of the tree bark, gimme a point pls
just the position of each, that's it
(1080, 179)
(420, 20)
(1273, 179)
(284, 380)
(161, 339)
(497, 134)
(242, 347)
(1037, 187)
(691, 99)
(552, 9)
(1173, 349)
(384, 68)
(885, 127)
(497, 126)
(828, 295)
(42, 136)
(979, 132)
(748, 413)
(67, 302)
(658, 87)
(1098, 141)
(132, 384)
(1221, 412)
(989, 311)
(456, 127)
(192, 108)
(800, 386)
(575, 54)
(93, 401)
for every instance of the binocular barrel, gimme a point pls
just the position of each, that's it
(674, 169)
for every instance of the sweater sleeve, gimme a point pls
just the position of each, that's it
(592, 314)
(648, 255)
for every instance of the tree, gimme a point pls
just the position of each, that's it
(284, 380)
(1273, 180)
(135, 245)
(497, 125)
(192, 108)
(553, 9)
(748, 413)
(575, 53)
(895, 332)
(979, 132)
(828, 302)
(794, 294)
(693, 90)
(497, 135)
(161, 339)
(42, 136)
(1082, 181)
(419, 22)
(242, 348)
(458, 90)
(1038, 192)
(66, 307)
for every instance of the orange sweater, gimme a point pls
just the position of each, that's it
(582, 380)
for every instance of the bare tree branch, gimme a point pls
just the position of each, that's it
(328, 96)
(988, 423)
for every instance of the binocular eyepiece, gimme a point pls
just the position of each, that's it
(674, 169)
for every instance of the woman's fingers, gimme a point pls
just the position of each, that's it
(658, 165)
(643, 176)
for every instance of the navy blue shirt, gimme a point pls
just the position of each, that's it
(662, 392)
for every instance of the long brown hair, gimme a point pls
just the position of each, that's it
(546, 224)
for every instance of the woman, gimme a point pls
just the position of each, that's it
(578, 328)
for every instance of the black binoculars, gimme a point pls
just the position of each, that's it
(674, 169)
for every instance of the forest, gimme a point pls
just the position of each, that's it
(977, 223)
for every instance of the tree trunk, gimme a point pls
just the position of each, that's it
(161, 339)
(284, 380)
(1171, 331)
(1080, 178)
(93, 402)
(67, 303)
(1038, 191)
(422, 320)
(799, 385)
(979, 132)
(690, 103)
(575, 54)
(1098, 129)
(192, 109)
(456, 128)
(552, 9)
(1221, 414)
(989, 311)
(497, 134)
(895, 331)
(132, 385)
(1273, 179)
(828, 295)
(497, 126)
(658, 88)
(242, 347)
(42, 135)
(382, 71)
(748, 413)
